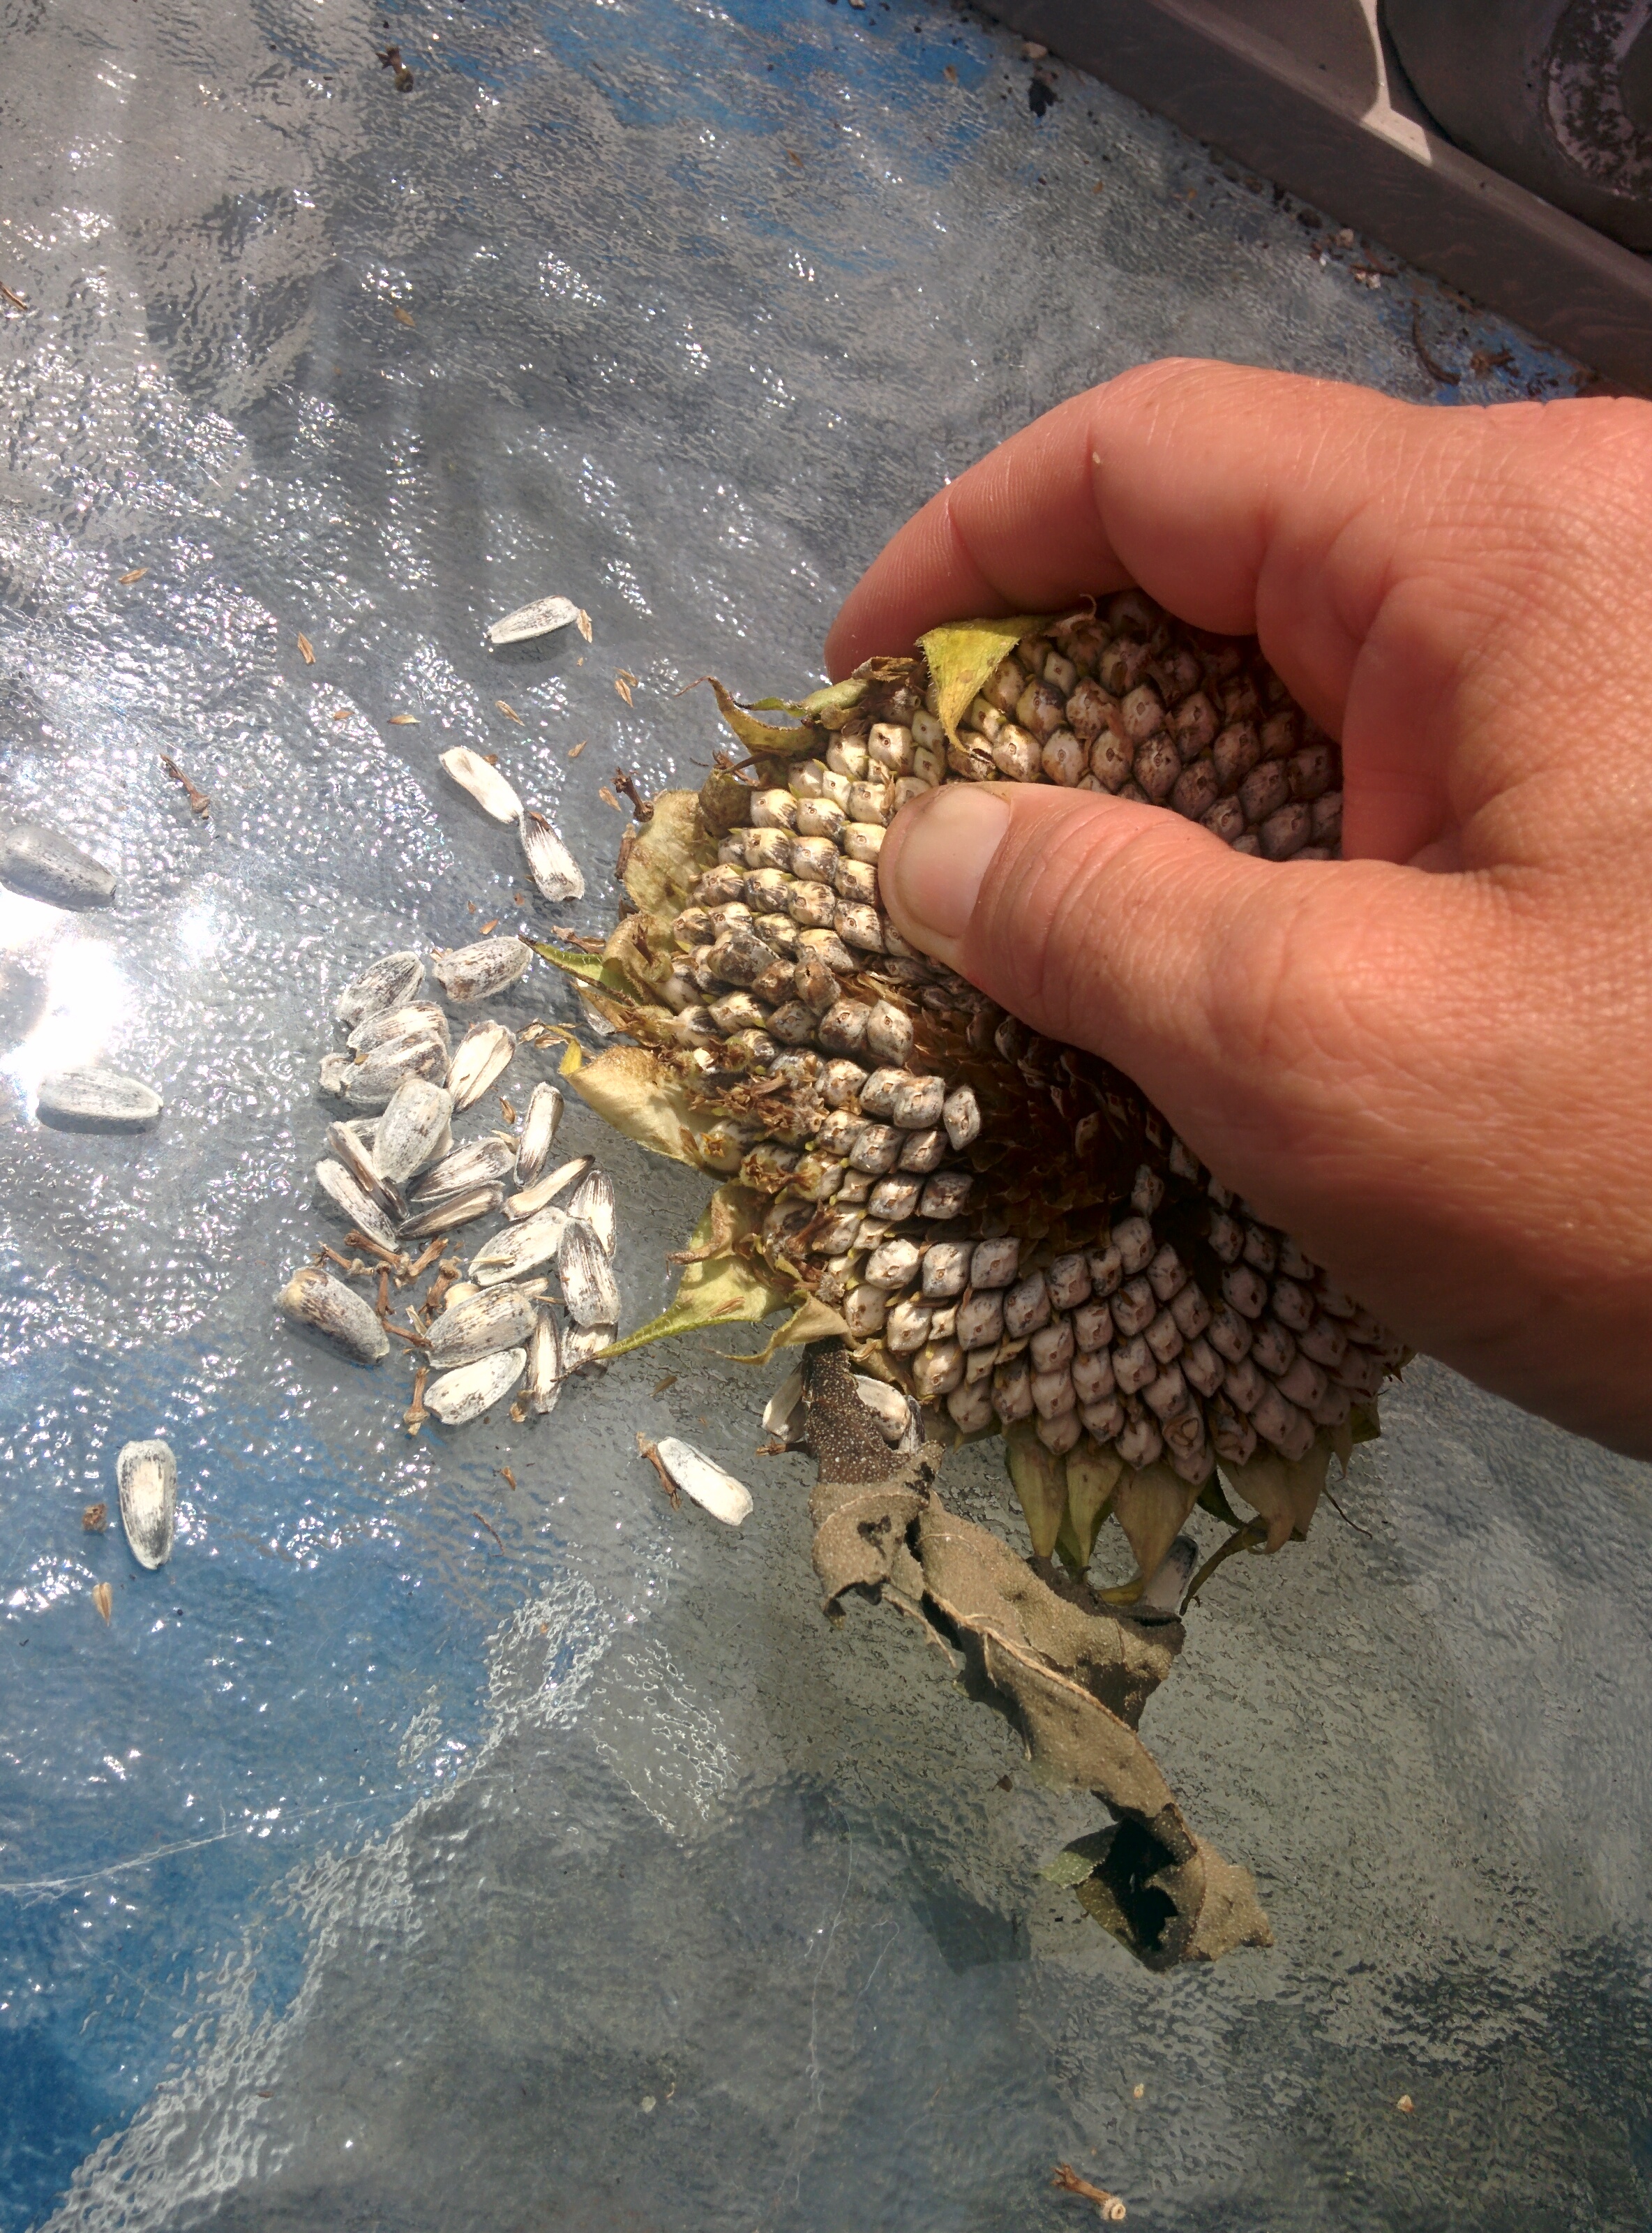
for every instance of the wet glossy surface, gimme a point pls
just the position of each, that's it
(415, 1852)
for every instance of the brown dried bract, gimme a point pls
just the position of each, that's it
(95, 1518)
(648, 1450)
(124, 581)
(582, 623)
(507, 1477)
(579, 748)
(308, 649)
(510, 712)
(103, 1598)
(625, 682)
(608, 799)
(1069, 2181)
(198, 802)
(402, 318)
(404, 720)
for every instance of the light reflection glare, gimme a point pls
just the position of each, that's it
(86, 994)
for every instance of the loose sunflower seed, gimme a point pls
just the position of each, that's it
(481, 1056)
(147, 1474)
(525, 1248)
(589, 1288)
(372, 1083)
(594, 1205)
(550, 864)
(478, 1163)
(697, 1476)
(544, 1379)
(420, 1019)
(311, 1298)
(97, 1101)
(498, 1318)
(452, 1211)
(460, 1397)
(533, 1198)
(413, 1129)
(336, 1182)
(484, 784)
(539, 1130)
(388, 983)
(543, 618)
(784, 1412)
(348, 1150)
(581, 1348)
(476, 972)
(43, 866)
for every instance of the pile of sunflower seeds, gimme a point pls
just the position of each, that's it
(486, 1329)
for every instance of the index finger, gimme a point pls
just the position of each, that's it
(1223, 490)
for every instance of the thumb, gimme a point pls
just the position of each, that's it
(1271, 1009)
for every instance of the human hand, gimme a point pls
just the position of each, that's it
(1431, 1061)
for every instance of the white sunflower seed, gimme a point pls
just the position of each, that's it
(498, 1318)
(478, 1163)
(372, 1083)
(484, 784)
(390, 982)
(97, 1101)
(416, 1122)
(336, 1182)
(892, 1408)
(335, 1074)
(1161, 1599)
(452, 1211)
(550, 864)
(697, 1476)
(539, 1130)
(784, 1414)
(43, 866)
(476, 972)
(581, 1348)
(147, 1474)
(542, 618)
(533, 1198)
(460, 1397)
(544, 1379)
(593, 1204)
(420, 1019)
(589, 1288)
(525, 1248)
(481, 1056)
(311, 1298)
(383, 1193)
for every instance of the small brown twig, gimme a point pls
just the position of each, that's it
(352, 1267)
(1431, 365)
(369, 1246)
(382, 1306)
(12, 297)
(508, 1478)
(1067, 2180)
(1347, 1519)
(198, 802)
(415, 1415)
(652, 1454)
(492, 1530)
(413, 1340)
(421, 1264)
(641, 805)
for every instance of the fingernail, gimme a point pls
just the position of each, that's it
(932, 878)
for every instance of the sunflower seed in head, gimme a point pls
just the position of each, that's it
(1161, 1599)
(97, 1101)
(891, 1407)
(383, 1193)
(533, 1198)
(388, 983)
(484, 782)
(336, 1182)
(589, 1288)
(525, 1248)
(544, 1378)
(785, 1411)
(481, 1056)
(593, 1204)
(498, 1318)
(452, 1210)
(476, 972)
(461, 1396)
(311, 1298)
(528, 622)
(538, 1132)
(550, 864)
(412, 1128)
(478, 1163)
(697, 1476)
(420, 1019)
(41, 865)
(147, 1474)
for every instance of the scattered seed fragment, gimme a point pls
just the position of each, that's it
(1406, 2104)
(579, 748)
(95, 1518)
(608, 799)
(1070, 2182)
(951, 73)
(390, 59)
(343, 713)
(103, 1598)
(507, 1477)
(488, 928)
(125, 581)
(404, 720)
(492, 1529)
(506, 1111)
(198, 802)
(510, 712)
(582, 623)
(402, 318)
(309, 650)
(625, 682)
